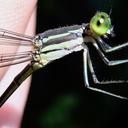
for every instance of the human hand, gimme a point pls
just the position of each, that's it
(18, 16)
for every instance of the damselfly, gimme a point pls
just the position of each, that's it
(56, 43)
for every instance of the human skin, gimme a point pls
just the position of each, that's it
(18, 16)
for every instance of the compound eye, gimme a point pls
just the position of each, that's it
(100, 23)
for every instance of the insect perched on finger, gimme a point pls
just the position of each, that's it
(57, 43)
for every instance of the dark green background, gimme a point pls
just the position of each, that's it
(58, 98)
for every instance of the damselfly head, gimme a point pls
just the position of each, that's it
(100, 24)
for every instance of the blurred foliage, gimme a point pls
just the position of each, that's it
(59, 113)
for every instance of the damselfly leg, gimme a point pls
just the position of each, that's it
(87, 60)
(107, 48)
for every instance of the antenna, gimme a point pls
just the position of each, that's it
(110, 11)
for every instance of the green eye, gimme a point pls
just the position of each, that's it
(100, 23)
